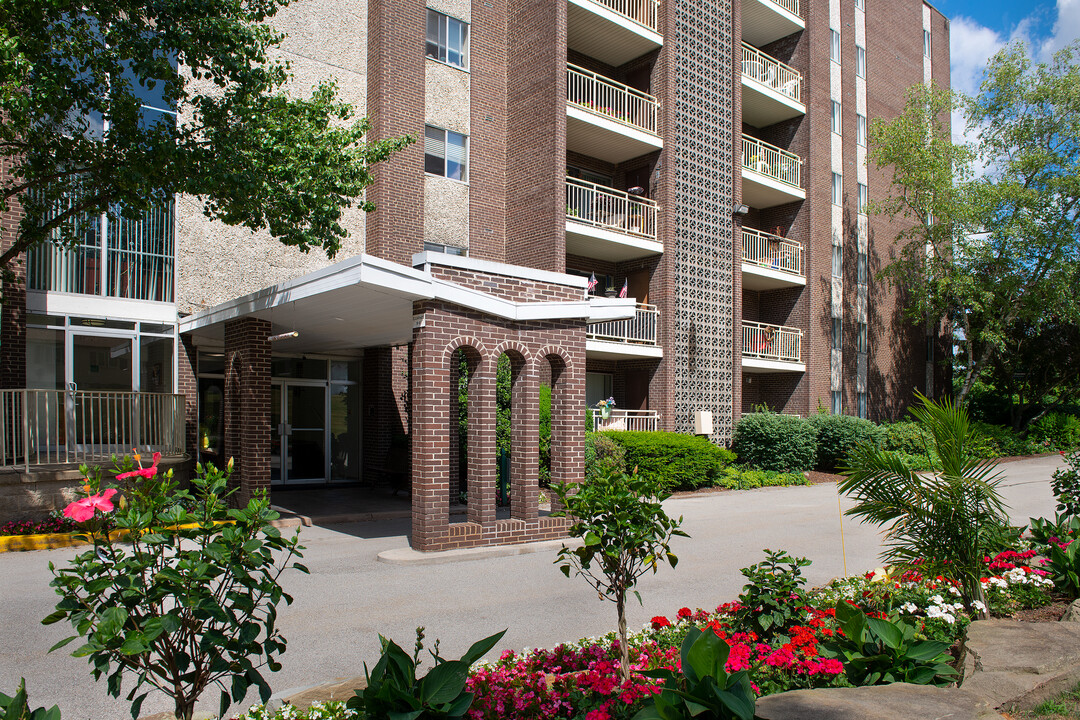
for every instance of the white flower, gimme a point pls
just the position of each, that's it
(954, 590)
(937, 600)
(977, 604)
(909, 607)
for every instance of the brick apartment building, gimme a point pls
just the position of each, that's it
(708, 156)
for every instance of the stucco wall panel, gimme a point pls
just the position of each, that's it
(446, 211)
(446, 102)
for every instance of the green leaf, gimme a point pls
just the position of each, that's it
(480, 647)
(444, 682)
(889, 633)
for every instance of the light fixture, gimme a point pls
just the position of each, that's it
(283, 336)
(740, 209)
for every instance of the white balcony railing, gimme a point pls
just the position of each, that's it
(611, 209)
(635, 420)
(772, 251)
(772, 73)
(769, 160)
(792, 6)
(43, 427)
(643, 12)
(639, 330)
(610, 99)
(771, 342)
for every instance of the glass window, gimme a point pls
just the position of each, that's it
(862, 267)
(211, 363)
(446, 153)
(860, 4)
(597, 387)
(836, 403)
(345, 430)
(837, 189)
(837, 261)
(155, 364)
(834, 47)
(292, 367)
(926, 43)
(837, 333)
(860, 130)
(448, 249)
(860, 61)
(447, 39)
(862, 405)
(836, 117)
(44, 359)
(863, 198)
(345, 370)
(861, 338)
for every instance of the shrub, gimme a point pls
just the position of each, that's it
(1060, 430)
(1001, 441)
(772, 598)
(675, 460)
(1066, 485)
(769, 441)
(837, 435)
(17, 707)
(734, 478)
(601, 451)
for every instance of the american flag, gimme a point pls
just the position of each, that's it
(592, 283)
(622, 293)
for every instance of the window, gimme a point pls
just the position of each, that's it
(863, 199)
(860, 4)
(446, 153)
(860, 61)
(448, 249)
(447, 40)
(862, 405)
(837, 261)
(837, 189)
(837, 333)
(834, 47)
(836, 117)
(862, 267)
(860, 130)
(926, 43)
(837, 406)
(860, 338)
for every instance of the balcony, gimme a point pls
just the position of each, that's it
(764, 21)
(771, 175)
(771, 348)
(633, 420)
(625, 339)
(613, 31)
(771, 262)
(609, 224)
(771, 90)
(608, 120)
(48, 427)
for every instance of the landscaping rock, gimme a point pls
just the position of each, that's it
(341, 689)
(1073, 613)
(883, 702)
(1018, 665)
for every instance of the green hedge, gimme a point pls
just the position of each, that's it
(837, 435)
(678, 461)
(1056, 431)
(770, 441)
(734, 478)
(601, 450)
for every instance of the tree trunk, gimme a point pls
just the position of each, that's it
(624, 648)
(185, 708)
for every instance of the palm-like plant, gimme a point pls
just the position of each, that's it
(942, 520)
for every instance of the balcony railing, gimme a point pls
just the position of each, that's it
(43, 427)
(769, 160)
(772, 73)
(639, 330)
(772, 251)
(611, 209)
(643, 12)
(792, 6)
(634, 420)
(610, 99)
(771, 342)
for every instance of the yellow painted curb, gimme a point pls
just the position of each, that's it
(20, 543)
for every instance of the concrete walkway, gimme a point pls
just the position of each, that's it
(350, 596)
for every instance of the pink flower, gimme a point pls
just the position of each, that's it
(83, 510)
(141, 471)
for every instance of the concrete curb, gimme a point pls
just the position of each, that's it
(408, 556)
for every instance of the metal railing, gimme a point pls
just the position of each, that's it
(608, 208)
(792, 6)
(638, 330)
(771, 342)
(643, 12)
(770, 72)
(42, 427)
(635, 420)
(772, 251)
(777, 163)
(604, 96)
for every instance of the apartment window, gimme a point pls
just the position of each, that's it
(862, 267)
(926, 43)
(860, 4)
(447, 39)
(837, 189)
(837, 333)
(862, 404)
(860, 338)
(837, 261)
(860, 130)
(446, 153)
(836, 117)
(834, 47)
(863, 199)
(860, 61)
(448, 249)
(837, 406)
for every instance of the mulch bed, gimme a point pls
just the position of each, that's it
(1051, 613)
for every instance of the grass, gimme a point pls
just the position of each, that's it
(1063, 707)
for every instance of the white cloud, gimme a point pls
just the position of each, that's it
(1066, 28)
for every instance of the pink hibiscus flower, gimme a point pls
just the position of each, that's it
(141, 471)
(83, 510)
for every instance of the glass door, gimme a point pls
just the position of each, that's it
(298, 420)
(100, 399)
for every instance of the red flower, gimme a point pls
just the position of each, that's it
(141, 471)
(660, 622)
(83, 510)
(684, 613)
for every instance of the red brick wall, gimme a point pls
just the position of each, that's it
(188, 386)
(247, 403)
(13, 296)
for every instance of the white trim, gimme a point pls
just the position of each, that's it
(760, 365)
(649, 246)
(429, 257)
(623, 22)
(587, 116)
(787, 278)
(626, 349)
(61, 303)
(765, 180)
(773, 94)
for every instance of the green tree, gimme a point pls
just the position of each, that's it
(940, 522)
(626, 534)
(78, 79)
(989, 251)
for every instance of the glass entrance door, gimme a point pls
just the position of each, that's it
(100, 399)
(298, 419)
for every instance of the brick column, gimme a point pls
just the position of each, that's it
(187, 385)
(524, 441)
(431, 392)
(567, 429)
(247, 403)
(13, 331)
(483, 472)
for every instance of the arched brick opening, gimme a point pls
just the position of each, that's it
(524, 432)
(567, 416)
